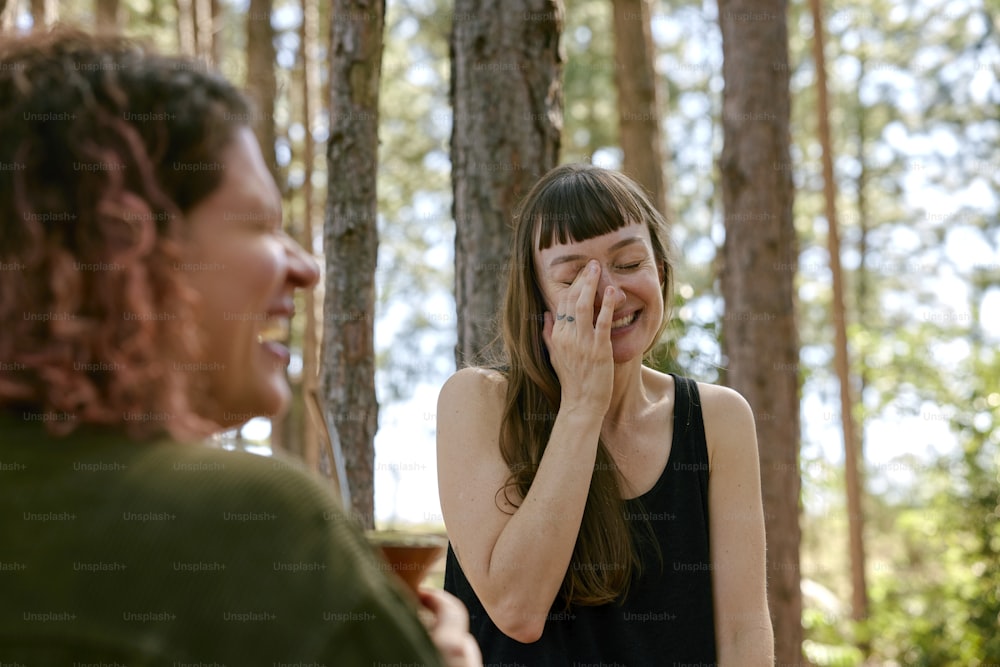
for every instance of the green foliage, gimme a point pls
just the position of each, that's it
(912, 94)
(590, 99)
(417, 318)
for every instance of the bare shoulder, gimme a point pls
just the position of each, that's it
(475, 383)
(729, 422)
(470, 409)
(720, 401)
(473, 391)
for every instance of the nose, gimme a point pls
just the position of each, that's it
(607, 279)
(303, 270)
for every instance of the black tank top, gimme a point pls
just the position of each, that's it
(667, 616)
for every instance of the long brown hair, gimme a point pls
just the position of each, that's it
(573, 202)
(96, 317)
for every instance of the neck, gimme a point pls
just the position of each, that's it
(629, 397)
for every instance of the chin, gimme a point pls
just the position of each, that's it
(271, 401)
(626, 354)
(276, 399)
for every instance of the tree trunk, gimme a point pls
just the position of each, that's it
(855, 520)
(186, 28)
(108, 14)
(351, 243)
(205, 31)
(309, 37)
(638, 104)
(507, 101)
(218, 43)
(261, 82)
(862, 309)
(757, 276)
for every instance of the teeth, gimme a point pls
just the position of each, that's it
(274, 331)
(624, 322)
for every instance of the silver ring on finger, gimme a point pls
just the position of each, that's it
(570, 318)
(561, 317)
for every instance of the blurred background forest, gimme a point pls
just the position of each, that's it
(914, 116)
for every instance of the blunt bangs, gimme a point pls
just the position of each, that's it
(579, 206)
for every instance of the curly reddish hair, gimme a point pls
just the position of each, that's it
(97, 142)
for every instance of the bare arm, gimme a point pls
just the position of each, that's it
(497, 545)
(743, 624)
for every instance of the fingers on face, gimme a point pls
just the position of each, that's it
(604, 318)
(578, 302)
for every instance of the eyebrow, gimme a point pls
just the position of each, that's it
(563, 259)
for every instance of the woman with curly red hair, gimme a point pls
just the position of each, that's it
(145, 292)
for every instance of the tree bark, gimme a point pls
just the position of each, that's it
(757, 271)
(186, 28)
(309, 37)
(855, 520)
(262, 85)
(507, 102)
(205, 31)
(638, 100)
(351, 243)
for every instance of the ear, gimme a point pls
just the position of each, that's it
(128, 224)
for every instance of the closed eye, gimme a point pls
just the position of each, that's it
(569, 279)
(629, 267)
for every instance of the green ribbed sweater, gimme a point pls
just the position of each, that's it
(117, 553)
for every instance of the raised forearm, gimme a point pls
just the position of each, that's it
(542, 533)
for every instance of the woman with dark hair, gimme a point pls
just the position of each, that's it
(146, 292)
(599, 511)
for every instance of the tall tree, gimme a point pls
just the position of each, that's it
(756, 271)
(309, 38)
(507, 101)
(638, 99)
(855, 518)
(262, 83)
(347, 371)
(205, 31)
(186, 32)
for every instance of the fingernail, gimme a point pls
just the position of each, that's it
(593, 266)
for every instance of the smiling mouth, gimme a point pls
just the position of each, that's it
(625, 321)
(275, 331)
